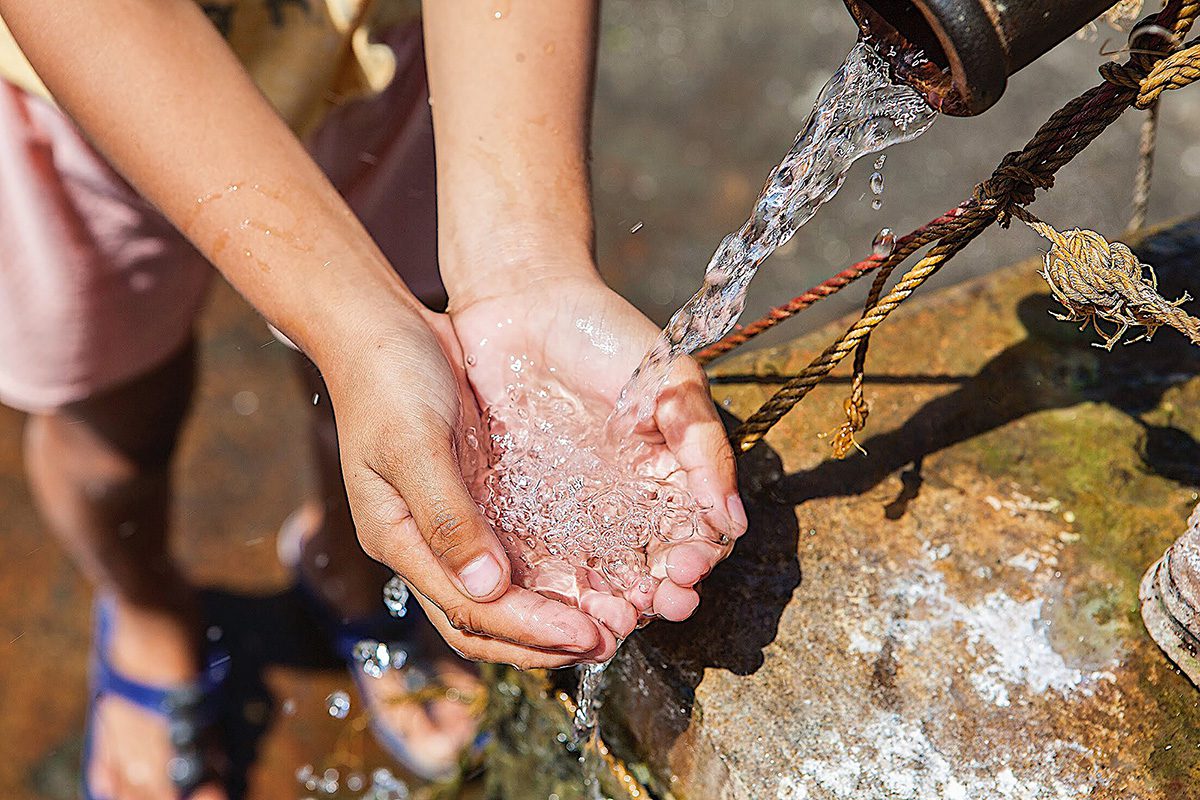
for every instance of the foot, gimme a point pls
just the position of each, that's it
(131, 748)
(437, 722)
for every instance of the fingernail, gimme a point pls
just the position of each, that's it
(737, 512)
(481, 576)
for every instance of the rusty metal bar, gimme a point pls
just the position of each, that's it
(960, 53)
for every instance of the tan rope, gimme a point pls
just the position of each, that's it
(1143, 180)
(1096, 279)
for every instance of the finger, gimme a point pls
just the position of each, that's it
(694, 433)
(449, 519)
(482, 648)
(688, 563)
(675, 603)
(390, 535)
(619, 616)
(527, 618)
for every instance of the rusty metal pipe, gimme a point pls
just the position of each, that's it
(961, 52)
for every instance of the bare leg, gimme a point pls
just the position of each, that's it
(98, 470)
(332, 560)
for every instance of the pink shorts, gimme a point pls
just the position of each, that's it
(97, 288)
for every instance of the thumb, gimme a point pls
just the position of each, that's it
(432, 486)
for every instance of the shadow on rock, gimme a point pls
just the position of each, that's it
(652, 694)
(1054, 366)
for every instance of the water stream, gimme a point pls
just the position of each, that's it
(578, 499)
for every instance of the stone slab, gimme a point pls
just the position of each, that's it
(953, 614)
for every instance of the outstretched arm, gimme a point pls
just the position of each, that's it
(511, 92)
(159, 93)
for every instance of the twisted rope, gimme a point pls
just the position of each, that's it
(1145, 174)
(1096, 279)
(1012, 185)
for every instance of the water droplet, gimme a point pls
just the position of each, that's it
(245, 403)
(884, 244)
(637, 227)
(879, 162)
(395, 596)
(338, 704)
(316, 399)
(374, 658)
(877, 183)
(471, 360)
(877, 204)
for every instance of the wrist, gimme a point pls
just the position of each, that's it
(517, 262)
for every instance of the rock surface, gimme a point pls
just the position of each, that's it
(953, 614)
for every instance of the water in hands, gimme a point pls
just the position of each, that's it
(581, 498)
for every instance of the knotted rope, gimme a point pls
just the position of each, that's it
(1096, 279)
(1139, 82)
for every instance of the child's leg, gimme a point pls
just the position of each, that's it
(98, 470)
(97, 299)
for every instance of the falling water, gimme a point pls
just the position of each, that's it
(859, 113)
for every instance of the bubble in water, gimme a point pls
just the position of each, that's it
(338, 704)
(884, 244)
(395, 596)
(386, 786)
(373, 658)
(579, 509)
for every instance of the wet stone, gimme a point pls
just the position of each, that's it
(953, 614)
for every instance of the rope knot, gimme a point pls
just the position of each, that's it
(842, 441)
(1009, 186)
(1127, 76)
(1095, 279)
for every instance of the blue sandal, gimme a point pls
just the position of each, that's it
(190, 709)
(371, 645)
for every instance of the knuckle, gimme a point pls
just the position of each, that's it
(449, 532)
(463, 617)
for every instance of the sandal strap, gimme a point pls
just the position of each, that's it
(190, 708)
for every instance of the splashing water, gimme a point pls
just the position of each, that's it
(884, 244)
(859, 113)
(395, 596)
(573, 513)
(338, 704)
(584, 726)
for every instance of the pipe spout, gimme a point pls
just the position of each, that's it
(961, 52)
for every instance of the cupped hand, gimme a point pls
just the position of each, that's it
(575, 328)
(402, 402)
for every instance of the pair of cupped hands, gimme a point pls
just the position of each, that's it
(404, 406)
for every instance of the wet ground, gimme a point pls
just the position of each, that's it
(696, 101)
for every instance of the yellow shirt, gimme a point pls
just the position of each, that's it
(305, 55)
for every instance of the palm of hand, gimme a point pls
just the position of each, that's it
(581, 335)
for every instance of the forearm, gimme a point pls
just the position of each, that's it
(160, 94)
(511, 110)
